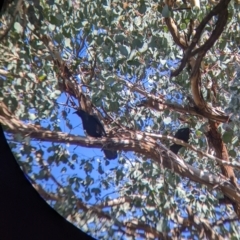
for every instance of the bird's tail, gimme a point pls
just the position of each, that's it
(110, 154)
(175, 148)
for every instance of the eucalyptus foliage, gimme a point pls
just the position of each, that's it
(125, 42)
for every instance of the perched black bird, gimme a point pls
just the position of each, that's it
(94, 128)
(182, 134)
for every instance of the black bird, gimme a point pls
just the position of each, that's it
(94, 128)
(182, 134)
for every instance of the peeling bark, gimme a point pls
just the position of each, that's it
(216, 141)
(190, 50)
(160, 105)
(127, 141)
(220, 10)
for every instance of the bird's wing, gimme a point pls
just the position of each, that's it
(183, 134)
(99, 125)
(175, 148)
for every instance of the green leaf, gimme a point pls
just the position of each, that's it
(53, 20)
(167, 120)
(143, 48)
(227, 137)
(232, 153)
(68, 42)
(100, 170)
(124, 50)
(120, 38)
(17, 26)
(55, 94)
(165, 11)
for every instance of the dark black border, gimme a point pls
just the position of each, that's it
(23, 213)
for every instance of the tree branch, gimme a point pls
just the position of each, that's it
(177, 141)
(128, 141)
(221, 10)
(159, 104)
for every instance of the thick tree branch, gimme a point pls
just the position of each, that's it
(221, 152)
(177, 141)
(177, 37)
(219, 10)
(195, 77)
(203, 226)
(121, 200)
(220, 24)
(129, 141)
(195, 80)
(158, 103)
(151, 232)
